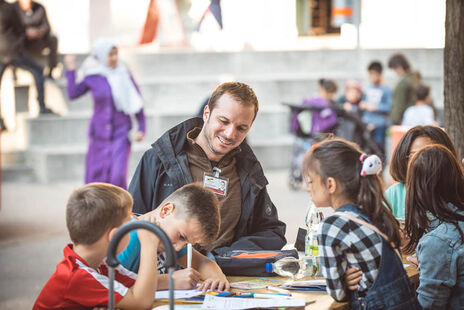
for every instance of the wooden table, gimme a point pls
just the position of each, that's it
(322, 300)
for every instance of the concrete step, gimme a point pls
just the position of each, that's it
(13, 158)
(187, 93)
(71, 129)
(264, 62)
(57, 163)
(18, 173)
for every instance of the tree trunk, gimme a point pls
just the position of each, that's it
(454, 73)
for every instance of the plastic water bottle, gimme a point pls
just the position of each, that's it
(285, 267)
(313, 219)
(310, 261)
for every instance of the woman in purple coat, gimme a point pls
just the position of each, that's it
(117, 107)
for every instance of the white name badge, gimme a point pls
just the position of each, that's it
(216, 183)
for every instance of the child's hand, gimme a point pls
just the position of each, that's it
(185, 279)
(352, 278)
(218, 283)
(413, 260)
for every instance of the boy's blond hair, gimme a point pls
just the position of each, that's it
(195, 201)
(94, 208)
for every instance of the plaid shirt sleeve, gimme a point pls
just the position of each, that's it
(344, 244)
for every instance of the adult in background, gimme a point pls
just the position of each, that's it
(12, 35)
(38, 36)
(211, 151)
(403, 93)
(117, 104)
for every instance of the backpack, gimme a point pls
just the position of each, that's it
(307, 123)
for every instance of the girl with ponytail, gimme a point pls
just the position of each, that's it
(362, 233)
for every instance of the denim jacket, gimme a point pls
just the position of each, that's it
(440, 253)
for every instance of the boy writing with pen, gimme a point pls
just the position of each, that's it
(190, 215)
(94, 212)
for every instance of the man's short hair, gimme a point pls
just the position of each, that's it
(94, 208)
(240, 92)
(422, 91)
(375, 66)
(195, 201)
(399, 60)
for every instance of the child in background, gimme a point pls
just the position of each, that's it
(353, 95)
(94, 212)
(188, 215)
(377, 104)
(435, 191)
(321, 120)
(413, 140)
(422, 112)
(362, 233)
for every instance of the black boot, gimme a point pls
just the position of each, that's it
(46, 110)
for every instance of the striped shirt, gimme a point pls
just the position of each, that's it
(344, 244)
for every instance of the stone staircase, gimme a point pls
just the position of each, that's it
(50, 149)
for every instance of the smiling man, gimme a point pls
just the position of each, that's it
(212, 151)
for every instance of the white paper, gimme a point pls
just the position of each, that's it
(214, 302)
(184, 307)
(178, 294)
(308, 283)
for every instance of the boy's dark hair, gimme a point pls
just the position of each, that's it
(195, 201)
(400, 157)
(375, 66)
(328, 85)
(241, 92)
(94, 208)
(399, 60)
(435, 178)
(340, 159)
(422, 91)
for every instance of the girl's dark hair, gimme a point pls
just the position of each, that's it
(340, 159)
(435, 178)
(399, 162)
(328, 85)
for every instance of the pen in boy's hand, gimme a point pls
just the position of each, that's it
(189, 255)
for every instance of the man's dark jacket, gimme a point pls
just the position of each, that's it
(12, 32)
(165, 168)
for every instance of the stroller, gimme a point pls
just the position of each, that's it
(313, 121)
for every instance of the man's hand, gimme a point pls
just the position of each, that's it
(33, 33)
(218, 283)
(352, 278)
(185, 279)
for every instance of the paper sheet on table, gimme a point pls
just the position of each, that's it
(184, 307)
(305, 283)
(178, 294)
(213, 302)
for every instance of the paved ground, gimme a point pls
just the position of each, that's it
(33, 232)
